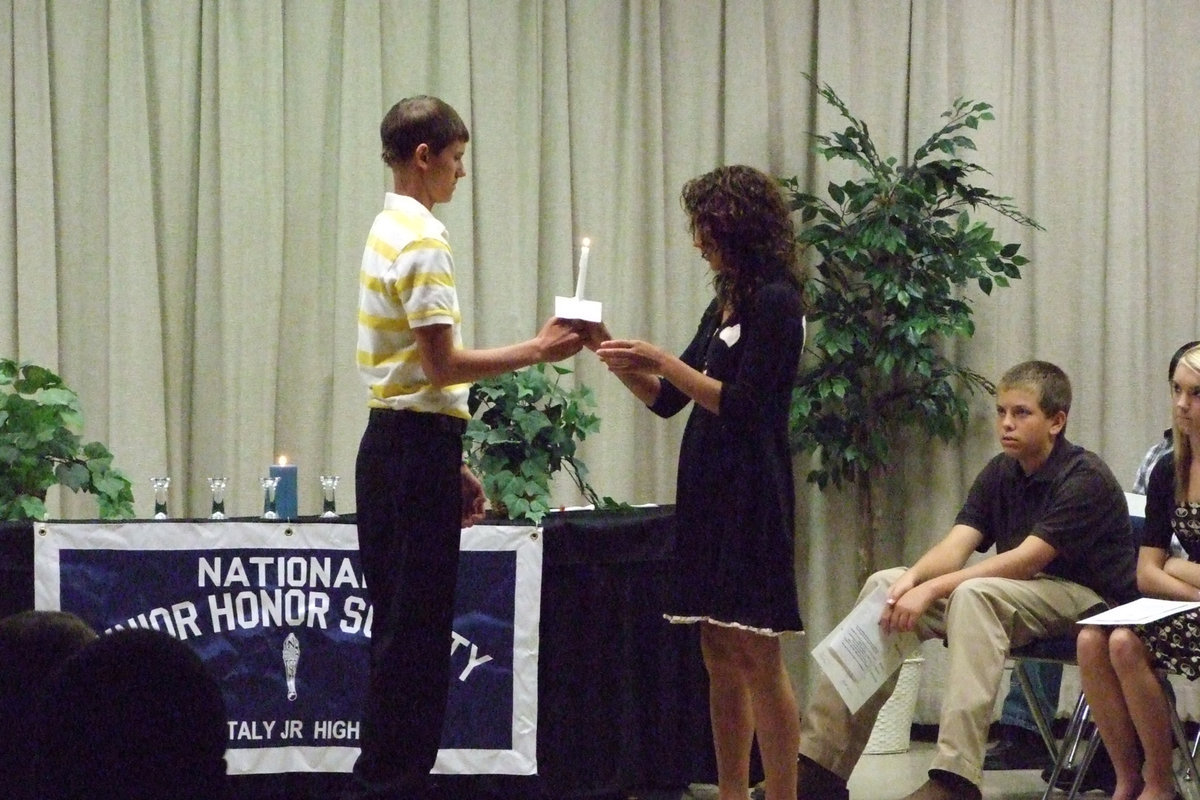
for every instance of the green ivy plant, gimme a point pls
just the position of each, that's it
(40, 446)
(526, 427)
(893, 250)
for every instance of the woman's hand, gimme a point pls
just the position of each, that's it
(1184, 570)
(625, 356)
(593, 334)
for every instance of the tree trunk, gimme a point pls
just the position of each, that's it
(870, 523)
(864, 545)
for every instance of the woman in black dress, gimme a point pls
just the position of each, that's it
(1117, 665)
(734, 499)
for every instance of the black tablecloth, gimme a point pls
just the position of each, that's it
(622, 695)
(16, 567)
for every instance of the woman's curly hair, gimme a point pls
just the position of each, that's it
(741, 212)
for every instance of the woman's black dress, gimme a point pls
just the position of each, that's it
(734, 499)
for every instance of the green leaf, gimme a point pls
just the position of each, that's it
(30, 508)
(110, 484)
(60, 396)
(73, 476)
(34, 378)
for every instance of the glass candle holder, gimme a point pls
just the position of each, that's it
(268, 486)
(217, 487)
(160, 496)
(328, 501)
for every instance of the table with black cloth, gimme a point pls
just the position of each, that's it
(622, 694)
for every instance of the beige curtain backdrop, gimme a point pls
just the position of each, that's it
(187, 186)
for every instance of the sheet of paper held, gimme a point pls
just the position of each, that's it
(1142, 611)
(857, 656)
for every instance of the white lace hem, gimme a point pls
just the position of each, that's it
(678, 620)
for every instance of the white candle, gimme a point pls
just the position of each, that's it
(582, 278)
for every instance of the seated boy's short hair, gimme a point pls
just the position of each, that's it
(419, 120)
(1049, 381)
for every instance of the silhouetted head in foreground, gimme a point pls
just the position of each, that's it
(133, 716)
(33, 645)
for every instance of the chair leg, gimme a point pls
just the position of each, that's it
(1035, 709)
(1190, 774)
(1063, 755)
(1082, 766)
(1185, 779)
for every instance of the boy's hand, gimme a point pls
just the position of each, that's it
(472, 497)
(559, 339)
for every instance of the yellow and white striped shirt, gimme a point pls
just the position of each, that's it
(406, 281)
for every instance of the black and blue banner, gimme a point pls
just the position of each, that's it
(279, 613)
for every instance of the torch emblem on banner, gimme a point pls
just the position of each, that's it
(291, 659)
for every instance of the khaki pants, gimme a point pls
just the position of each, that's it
(980, 621)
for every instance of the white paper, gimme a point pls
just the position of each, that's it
(857, 656)
(1137, 504)
(1139, 612)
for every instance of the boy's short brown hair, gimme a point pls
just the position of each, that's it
(419, 120)
(1049, 381)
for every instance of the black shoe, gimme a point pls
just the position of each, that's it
(815, 782)
(1100, 775)
(1017, 749)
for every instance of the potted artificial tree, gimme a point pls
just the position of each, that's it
(893, 250)
(40, 446)
(526, 426)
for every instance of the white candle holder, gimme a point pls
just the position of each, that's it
(268, 486)
(575, 308)
(160, 496)
(328, 501)
(217, 487)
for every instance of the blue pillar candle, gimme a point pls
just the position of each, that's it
(285, 492)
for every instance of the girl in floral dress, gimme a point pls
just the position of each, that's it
(1119, 666)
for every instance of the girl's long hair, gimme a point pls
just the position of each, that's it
(741, 212)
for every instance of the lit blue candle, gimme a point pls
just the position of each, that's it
(285, 492)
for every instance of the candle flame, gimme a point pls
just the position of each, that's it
(282, 461)
(587, 242)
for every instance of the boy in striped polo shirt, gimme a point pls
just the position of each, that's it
(413, 493)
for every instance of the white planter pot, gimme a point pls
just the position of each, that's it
(893, 727)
